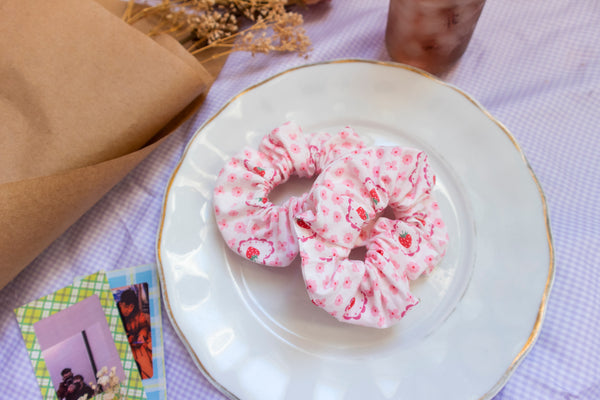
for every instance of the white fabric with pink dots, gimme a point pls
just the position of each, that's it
(251, 225)
(343, 210)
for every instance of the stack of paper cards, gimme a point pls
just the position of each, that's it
(99, 338)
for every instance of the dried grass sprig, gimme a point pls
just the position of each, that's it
(226, 26)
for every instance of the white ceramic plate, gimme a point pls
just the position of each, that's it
(252, 329)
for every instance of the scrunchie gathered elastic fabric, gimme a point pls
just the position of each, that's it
(251, 225)
(343, 210)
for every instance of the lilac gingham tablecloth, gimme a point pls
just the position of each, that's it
(534, 65)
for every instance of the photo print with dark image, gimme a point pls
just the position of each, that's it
(75, 344)
(134, 308)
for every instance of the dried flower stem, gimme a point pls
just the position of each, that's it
(128, 10)
(202, 25)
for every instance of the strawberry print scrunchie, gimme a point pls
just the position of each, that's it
(251, 225)
(342, 211)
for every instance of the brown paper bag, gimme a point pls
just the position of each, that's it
(83, 95)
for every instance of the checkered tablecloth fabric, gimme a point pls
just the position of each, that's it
(534, 65)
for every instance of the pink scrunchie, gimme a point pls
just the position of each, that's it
(251, 225)
(342, 211)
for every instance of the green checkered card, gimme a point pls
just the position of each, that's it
(77, 344)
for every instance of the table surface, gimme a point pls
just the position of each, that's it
(534, 65)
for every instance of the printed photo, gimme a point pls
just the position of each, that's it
(76, 343)
(134, 308)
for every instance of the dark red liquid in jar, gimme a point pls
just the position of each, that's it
(431, 34)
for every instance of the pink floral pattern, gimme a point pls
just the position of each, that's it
(241, 196)
(374, 292)
(256, 250)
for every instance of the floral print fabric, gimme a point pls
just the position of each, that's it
(343, 210)
(251, 225)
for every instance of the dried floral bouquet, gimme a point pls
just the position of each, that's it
(213, 28)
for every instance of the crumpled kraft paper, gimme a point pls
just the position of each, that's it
(84, 98)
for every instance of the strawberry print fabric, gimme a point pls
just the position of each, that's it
(343, 210)
(250, 224)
